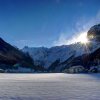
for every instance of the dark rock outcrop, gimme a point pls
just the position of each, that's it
(94, 33)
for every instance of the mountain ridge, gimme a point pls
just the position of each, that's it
(56, 58)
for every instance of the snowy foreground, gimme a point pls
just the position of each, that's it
(57, 86)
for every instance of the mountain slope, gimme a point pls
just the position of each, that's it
(10, 55)
(56, 58)
(47, 56)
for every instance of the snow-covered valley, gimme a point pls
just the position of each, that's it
(52, 86)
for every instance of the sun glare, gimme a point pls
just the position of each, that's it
(82, 38)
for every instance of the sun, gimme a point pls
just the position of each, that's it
(82, 38)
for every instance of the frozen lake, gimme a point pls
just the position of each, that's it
(56, 86)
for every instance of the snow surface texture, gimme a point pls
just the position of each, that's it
(46, 56)
(56, 86)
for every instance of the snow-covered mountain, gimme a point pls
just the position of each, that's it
(47, 56)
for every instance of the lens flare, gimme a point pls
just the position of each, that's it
(82, 38)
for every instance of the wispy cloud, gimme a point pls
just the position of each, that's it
(82, 26)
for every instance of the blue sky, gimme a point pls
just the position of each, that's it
(43, 22)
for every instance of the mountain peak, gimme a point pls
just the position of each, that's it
(94, 33)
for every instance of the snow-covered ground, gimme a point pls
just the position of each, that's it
(57, 86)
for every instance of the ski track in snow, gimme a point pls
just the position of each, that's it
(53, 86)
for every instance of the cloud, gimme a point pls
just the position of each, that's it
(63, 40)
(82, 26)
